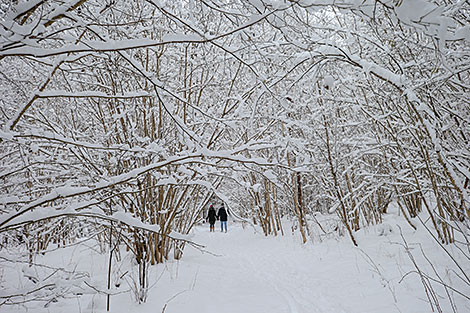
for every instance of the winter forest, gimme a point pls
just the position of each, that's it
(336, 133)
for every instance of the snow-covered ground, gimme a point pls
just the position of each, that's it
(247, 272)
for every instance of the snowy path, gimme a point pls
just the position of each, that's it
(246, 272)
(252, 273)
(249, 277)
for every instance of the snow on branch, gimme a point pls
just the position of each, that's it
(100, 46)
(93, 94)
(70, 192)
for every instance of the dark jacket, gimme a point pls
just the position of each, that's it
(222, 214)
(211, 216)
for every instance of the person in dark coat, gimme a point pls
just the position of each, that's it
(211, 217)
(222, 216)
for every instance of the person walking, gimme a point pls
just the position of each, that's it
(211, 217)
(222, 215)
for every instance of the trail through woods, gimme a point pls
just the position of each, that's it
(244, 271)
(251, 273)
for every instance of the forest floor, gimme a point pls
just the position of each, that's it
(246, 272)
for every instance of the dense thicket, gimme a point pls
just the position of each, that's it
(127, 117)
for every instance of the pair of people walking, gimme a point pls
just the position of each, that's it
(220, 215)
